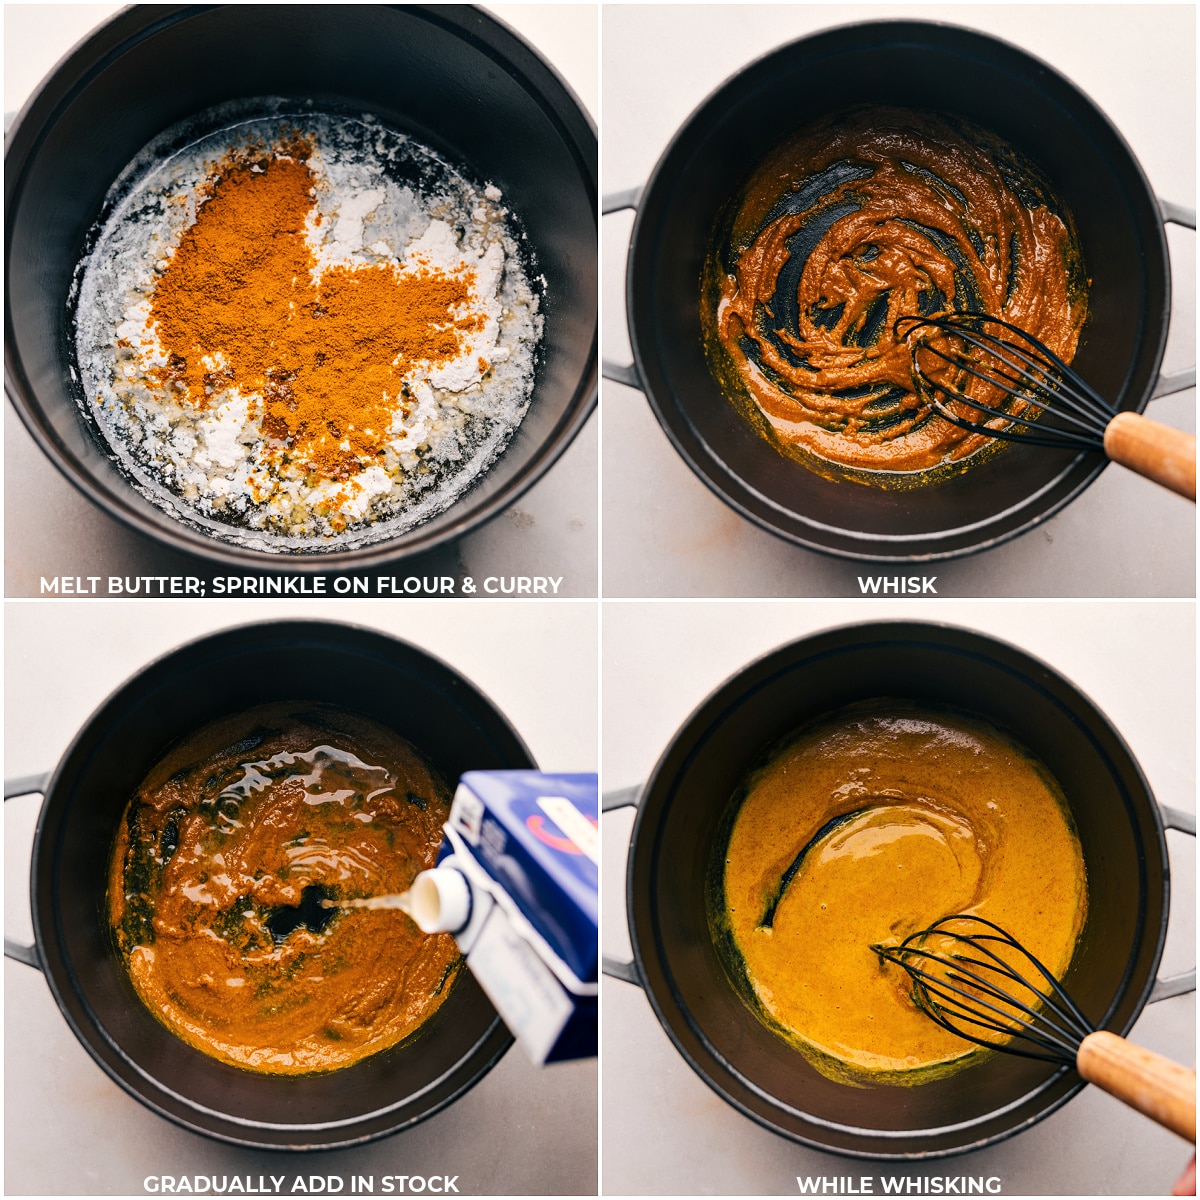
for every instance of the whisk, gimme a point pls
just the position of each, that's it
(1056, 406)
(977, 981)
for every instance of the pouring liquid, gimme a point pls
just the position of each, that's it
(439, 901)
(398, 900)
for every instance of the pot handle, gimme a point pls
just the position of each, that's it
(1175, 985)
(620, 372)
(621, 798)
(1176, 381)
(27, 785)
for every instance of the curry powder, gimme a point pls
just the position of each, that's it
(240, 303)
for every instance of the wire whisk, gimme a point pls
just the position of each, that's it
(977, 981)
(990, 377)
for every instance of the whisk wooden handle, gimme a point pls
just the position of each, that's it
(1158, 452)
(1157, 1087)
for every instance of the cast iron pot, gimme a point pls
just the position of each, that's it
(453, 724)
(454, 77)
(679, 828)
(910, 64)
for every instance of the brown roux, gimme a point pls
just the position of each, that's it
(924, 215)
(942, 814)
(226, 832)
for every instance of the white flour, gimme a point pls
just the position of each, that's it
(381, 198)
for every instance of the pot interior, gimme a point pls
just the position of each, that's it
(684, 822)
(913, 65)
(455, 79)
(453, 725)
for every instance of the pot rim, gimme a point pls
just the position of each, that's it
(657, 778)
(661, 173)
(144, 20)
(494, 1042)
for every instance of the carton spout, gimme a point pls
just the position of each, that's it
(440, 900)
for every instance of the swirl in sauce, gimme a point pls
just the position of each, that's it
(870, 826)
(864, 218)
(215, 880)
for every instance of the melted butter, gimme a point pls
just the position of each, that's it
(862, 219)
(864, 829)
(232, 827)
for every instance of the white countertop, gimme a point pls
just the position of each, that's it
(68, 1128)
(665, 1131)
(665, 533)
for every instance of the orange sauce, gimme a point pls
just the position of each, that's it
(908, 815)
(219, 865)
(855, 222)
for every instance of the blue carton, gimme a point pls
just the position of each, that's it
(528, 844)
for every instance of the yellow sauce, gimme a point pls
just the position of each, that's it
(908, 815)
(855, 222)
(215, 882)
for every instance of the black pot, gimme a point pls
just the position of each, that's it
(679, 830)
(996, 86)
(453, 724)
(454, 77)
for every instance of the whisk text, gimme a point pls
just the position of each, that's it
(897, 585)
